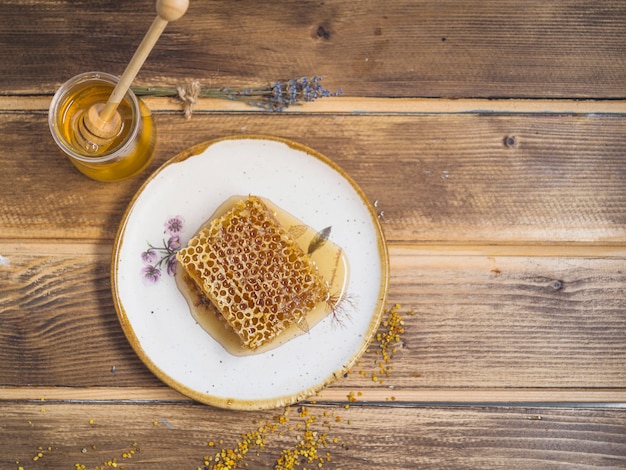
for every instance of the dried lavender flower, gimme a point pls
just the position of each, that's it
(274, 97)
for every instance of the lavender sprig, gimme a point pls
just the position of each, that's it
(274, 97)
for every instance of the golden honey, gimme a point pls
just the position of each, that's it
(297, 292)
(127, 153)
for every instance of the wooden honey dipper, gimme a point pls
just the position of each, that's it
(102, 122)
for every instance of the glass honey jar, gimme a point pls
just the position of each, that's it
(121, 156)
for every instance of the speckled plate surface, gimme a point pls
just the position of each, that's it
(168, 210)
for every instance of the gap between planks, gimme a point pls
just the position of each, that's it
(9, 249)
(363, 105)
(374, 395)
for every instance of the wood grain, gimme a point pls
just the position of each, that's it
(491, 136)
(368, 437)
(451, 178)
(361, 105)
(345, 391)
(558, 330)
(400, 49)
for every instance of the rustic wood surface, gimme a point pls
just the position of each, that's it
(490, 135)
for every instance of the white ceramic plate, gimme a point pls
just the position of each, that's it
(169, 209)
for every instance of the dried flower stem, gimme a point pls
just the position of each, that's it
(275, 97)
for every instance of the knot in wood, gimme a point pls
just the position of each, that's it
(510, 141)
(556, 284)
(322, 32)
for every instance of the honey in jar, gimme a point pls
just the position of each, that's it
(125, 154)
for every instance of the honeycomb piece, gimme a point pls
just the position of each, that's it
(255, 274)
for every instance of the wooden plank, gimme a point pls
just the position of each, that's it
(437, 178)
(343, 393)
(471, 313)
(506, 48)
(361, 105)
(477, 321)
(163, 436)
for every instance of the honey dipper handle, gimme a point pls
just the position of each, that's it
(167, 10)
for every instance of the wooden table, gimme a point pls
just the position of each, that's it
(492, 136)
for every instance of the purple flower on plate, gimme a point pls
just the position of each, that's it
(151, 274)
(171, 266)
(174, 225)
(174, 243)
(149, 256)
(157, 258)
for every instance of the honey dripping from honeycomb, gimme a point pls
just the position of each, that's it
(249, 280)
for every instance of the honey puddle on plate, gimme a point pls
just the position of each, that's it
(331, 263)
